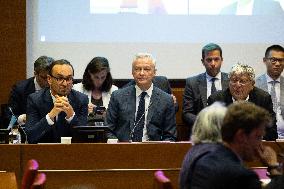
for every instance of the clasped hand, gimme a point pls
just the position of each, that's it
(61, 104)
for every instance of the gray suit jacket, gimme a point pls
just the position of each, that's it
(160, 121)
(261, 82)
(195, 96)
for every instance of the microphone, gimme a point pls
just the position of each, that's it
(136, 123)
(13, 119)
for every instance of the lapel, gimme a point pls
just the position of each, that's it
(129, 104)
(228, 98)
(48, 102)
(224, 81)
(282, 91)
(262, 83)
(202, 85)
(154, 101)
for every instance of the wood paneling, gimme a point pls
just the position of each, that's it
(12, 45)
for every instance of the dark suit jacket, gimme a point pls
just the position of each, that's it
(161, 122)
(219, 168)
(161, 82)
(256, 96)
(39, 105)
(195, 96)
(18, 99)
(260, 7)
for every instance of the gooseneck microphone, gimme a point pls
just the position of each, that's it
(137, 122)
(13, 120)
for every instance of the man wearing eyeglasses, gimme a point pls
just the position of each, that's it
(21, 90)
(273, 82)
(52, 111)
(241, 88)
(199, 88)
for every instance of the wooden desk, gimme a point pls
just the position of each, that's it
(106, 165)
(8, 180)
(102, 166)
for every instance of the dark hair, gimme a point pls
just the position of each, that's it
(97, 65)
(42, 63)
(243, 115)
(211, 47)
(59, 62)
(274, 48)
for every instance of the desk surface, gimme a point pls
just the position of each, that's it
(8, 180)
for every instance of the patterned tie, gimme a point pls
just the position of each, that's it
(140, 119)
(213, 87)
(273, 96)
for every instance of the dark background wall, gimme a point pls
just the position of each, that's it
(12, 45)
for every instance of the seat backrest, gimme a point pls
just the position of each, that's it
(161, 181)
(29, 174)
(261, 172)
(39, 181)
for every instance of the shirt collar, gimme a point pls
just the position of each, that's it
(37, 87)
(139, 91)
(218, 77)
(269, 79)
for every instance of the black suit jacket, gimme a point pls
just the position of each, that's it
(162, 83)
(160, 121)
(39, 105)
(216, 168)
(195, 96)
(256, 96)
(18, 99)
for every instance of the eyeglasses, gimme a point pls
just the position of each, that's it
(273, 60)
(241, 81)
(62, 79)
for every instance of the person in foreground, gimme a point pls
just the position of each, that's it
(141, 112)
(206, 137)
(242, 131)
(97, 84)
(241, 87)
(51, 112)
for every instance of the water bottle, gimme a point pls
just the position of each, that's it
(15, 135)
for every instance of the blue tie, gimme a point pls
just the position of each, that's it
(140, 119)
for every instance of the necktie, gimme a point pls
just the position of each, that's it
(273, 96)
(213, 87)
(140, 119)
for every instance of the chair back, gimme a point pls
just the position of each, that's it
(29, 174)
(161, 181)
(39, 181)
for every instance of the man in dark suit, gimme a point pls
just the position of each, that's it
(141, 112)
(21, 90)
(52, 111)
(162, 83)
(199, 88)
(221, 166)
(241, 87)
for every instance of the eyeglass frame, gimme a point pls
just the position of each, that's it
(62, 79)
(273, 60)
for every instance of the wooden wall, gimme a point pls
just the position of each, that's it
(12, 45)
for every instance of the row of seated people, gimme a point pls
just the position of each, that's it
(140, 111)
